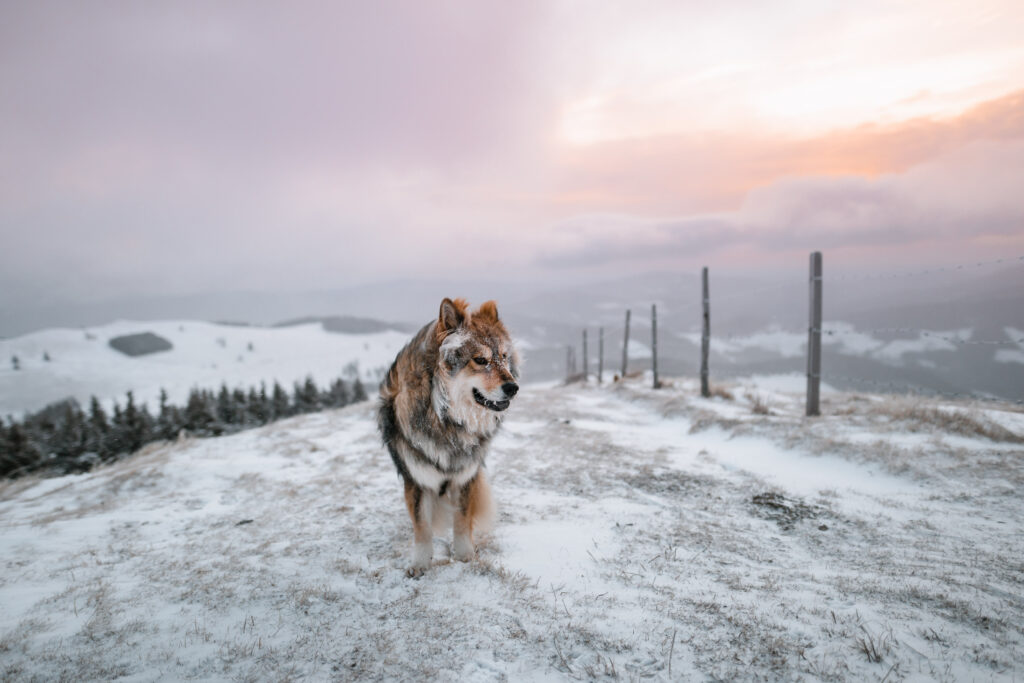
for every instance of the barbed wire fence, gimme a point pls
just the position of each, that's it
(1014, 340)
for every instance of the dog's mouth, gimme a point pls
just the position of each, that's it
(497, 406)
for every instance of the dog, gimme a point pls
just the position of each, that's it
(441, 403)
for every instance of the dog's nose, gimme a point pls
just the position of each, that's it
(510, 388)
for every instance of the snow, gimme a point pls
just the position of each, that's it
(639, 350)
(628, 543)
(204, 355)
(925, 341)
(1009, 356)
(792, 382)
(1012, 355)
(848, 340)
(774, 339)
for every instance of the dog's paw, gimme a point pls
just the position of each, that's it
(462, 549)
(422, 554)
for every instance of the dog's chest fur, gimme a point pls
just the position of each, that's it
(448, 445)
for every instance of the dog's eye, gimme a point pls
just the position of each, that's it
(480, 360)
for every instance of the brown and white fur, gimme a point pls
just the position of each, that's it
(442, 402)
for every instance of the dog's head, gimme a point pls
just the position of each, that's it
(478, 366)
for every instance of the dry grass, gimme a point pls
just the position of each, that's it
(718, 391)
(874, 646)
(758, 404)
(702, 420)
(920, 416)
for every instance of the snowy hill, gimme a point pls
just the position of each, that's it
(641, 534)
(204, 355)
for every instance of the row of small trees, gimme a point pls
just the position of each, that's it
(63, 438)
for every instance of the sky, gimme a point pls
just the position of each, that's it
(179, 148)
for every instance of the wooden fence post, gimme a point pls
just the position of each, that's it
(600, 353)
(705, 339)
(625, 348)
(654, 344)
(584, 354)
(814, 338)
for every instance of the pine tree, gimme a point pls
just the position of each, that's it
(166, 422)
(307, 396)
(199, 420)
(225, 411)
(339, 395)
(116, 439)
(46, 356)
(97, 431)
(5, 447)
(42, 432)
(147, 426)
(240, 408)
(15, 363)
(132, 428)
(20, 454)
(358, 392)
(69, 442)
(264, 404)
(280, 404)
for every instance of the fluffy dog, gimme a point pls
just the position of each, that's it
(442, 402)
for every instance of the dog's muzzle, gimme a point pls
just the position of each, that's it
(497, 406)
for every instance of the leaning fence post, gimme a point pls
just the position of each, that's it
(584, 354)
(705, 339)
(625, 347)
(600, 353)
(654, 343)
(814, 338)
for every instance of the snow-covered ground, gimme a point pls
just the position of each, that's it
(83, 364)
(641, 534)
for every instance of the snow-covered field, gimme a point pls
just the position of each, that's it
(83, 364)
(641, 534)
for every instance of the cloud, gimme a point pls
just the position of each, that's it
(714, 172)
(597, 240)
(968, 195)
(167, 148)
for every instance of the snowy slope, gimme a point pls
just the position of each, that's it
(204, 355)
(640, 534)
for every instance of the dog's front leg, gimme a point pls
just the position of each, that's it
(421, 509)
(462, 541)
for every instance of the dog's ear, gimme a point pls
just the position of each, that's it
(452, 315)
(488, 311)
